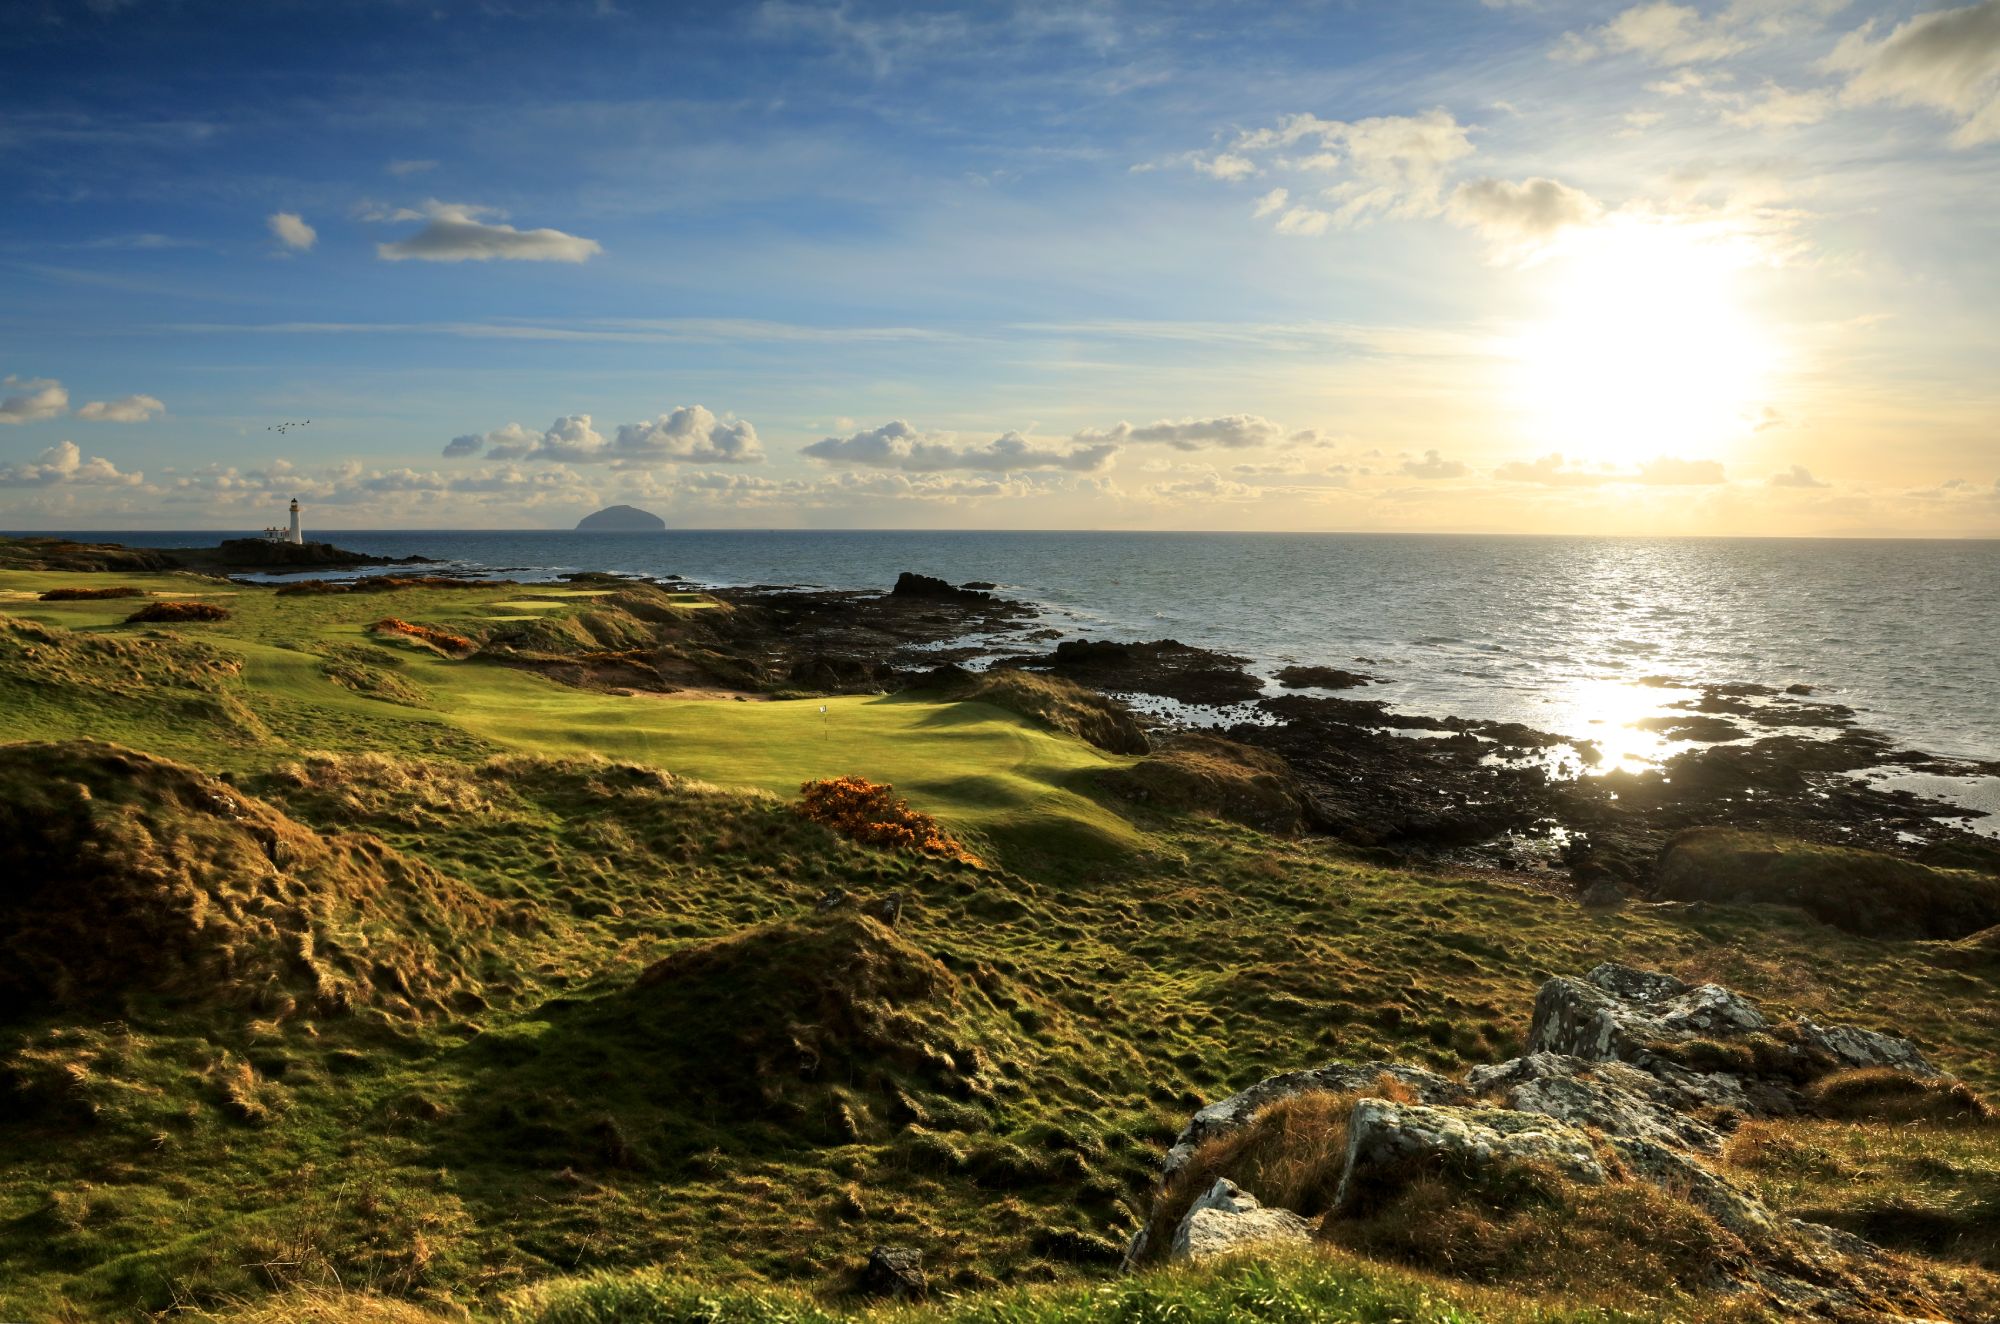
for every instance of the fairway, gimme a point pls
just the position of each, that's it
(981, 768)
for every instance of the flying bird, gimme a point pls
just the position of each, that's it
(285, 427)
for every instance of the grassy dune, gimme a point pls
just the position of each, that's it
(612, 1065)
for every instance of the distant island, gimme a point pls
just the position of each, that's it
(621, 519)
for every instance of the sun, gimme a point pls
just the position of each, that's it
(1645, 347)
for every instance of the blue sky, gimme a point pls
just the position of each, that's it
(1456, 265)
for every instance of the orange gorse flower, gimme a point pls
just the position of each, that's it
(870, 813)
(450, 643)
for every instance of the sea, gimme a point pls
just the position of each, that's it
(1582, 636)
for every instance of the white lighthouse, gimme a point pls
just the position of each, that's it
(295, 536)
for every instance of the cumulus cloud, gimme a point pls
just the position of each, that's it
(1207, 487)
(1231, 432)
(128, 409)
(65, 463)
(689, 434)
(1521, 218)
(290, 229)
(1797, 476)
(1433, 465)
(1550, 471)
(898, 445)
(1947, 60)
(455, 232)
(38, 398)
(1393, 165)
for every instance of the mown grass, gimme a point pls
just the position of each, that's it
(1114, 973)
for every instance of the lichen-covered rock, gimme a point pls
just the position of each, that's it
(1614, 1097)
(1618, 1012)
(1238, 1109)
(1637, 1016)
(1856, 1047)
(1676, 1171)
(894, 1272)
(1228, 1219)
(1384, 1137)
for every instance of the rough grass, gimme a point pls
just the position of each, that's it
(129, 878)
(1058, 704)
(1115, 970)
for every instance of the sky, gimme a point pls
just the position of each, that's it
(1714, 267)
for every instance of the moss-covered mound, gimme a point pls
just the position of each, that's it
(125, 878)
(1865, 892)
(1059, 704)
(773, 1015)
(1217, 778)
(176, 613)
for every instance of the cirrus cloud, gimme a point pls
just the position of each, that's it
(1947, 60)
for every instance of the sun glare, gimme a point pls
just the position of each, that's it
(1646, 348)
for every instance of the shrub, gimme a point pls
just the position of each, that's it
(442, 640)
(870, 813)
(174, 612)
(92, 594)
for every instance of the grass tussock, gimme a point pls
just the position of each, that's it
(90, 594)
(371, 672)
(870, 813)
(1886, 1095)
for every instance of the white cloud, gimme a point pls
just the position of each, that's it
(64, 463)
(1208, 487)
(291, 230)
(1779, 108)
(1393, 165)
(1433, 466)
(1797, 476)
(39, 398)
(454, 232)
(1661, 31)
(1520, 218)
(897, 445)
(689, 434)
(1947, 60)
(128, 409)
(1230, 431)
(404, 169)
(1668, 471)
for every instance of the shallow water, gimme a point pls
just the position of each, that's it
(1554, 632)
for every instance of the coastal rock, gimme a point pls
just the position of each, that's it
(1164, 667)
(1385, 1139)
(1854, 1047)
(1239, 1109)
(1227, 1219)
(932, 589)
(1321, 678)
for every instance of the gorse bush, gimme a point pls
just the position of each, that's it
(174, 612)
(91, 594)
(870, 813)
(442, 640)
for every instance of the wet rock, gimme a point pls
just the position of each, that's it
(1237, 1111)
(931, 588)
(1228, 1219)
(1385, 1139)
(894, 1272)
(1321, 678)
(1163, 667)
